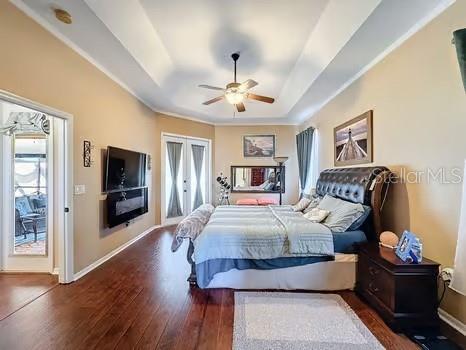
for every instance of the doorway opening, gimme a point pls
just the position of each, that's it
(186, 176)
(35, 188)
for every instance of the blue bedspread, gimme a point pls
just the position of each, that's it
(343, 243)
(240, 232)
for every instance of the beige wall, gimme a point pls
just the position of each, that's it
(105, 114)
(178, 126)
(229, 151)
(419, 122)
(36, 65)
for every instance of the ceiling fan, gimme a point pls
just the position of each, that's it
(235, 93)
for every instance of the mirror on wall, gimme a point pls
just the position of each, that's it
(257, 179)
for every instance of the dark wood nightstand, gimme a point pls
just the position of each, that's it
(405, 295)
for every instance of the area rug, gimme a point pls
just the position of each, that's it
(273, 320)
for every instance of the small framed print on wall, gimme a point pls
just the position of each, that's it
(258, 146)
(353, 141)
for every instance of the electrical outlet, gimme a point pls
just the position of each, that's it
(446, 274)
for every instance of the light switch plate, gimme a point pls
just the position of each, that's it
(79, 189)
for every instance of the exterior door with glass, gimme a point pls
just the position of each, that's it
(186, 176)
(27, 192)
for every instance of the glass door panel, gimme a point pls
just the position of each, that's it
(174, 175)
(198, 164)
(30, 194)
(185, 177)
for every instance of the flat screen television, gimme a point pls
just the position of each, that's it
(125, 170)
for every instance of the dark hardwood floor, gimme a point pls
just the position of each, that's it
(17, 290)
(140, 299)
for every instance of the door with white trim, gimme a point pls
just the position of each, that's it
(186, 176)
(28, 191)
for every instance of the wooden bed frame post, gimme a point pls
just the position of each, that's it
(378, 196)
(192, 277)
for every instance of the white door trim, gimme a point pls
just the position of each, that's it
(66, 233)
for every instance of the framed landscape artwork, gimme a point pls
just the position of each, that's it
(258, 146)
(353, 141)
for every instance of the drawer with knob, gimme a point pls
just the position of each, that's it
(376, 280)
(405, 295)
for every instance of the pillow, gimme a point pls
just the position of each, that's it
(314, 203)
(360, 221)
(246, 201)
(267, 201)
(342, 213)
(301, 205)
(316, 215)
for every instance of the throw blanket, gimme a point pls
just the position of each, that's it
(243, 232)
(191, 226)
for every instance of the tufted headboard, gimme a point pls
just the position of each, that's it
(365, 185)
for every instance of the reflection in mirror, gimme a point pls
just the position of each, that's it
(259, 179)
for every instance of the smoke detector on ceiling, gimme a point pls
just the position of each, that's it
(63, 16)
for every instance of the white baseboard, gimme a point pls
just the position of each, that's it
(56, 271)
(114, 252)
(452, 321)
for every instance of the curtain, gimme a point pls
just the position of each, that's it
(458, 282)
(198, 160)
(313, 173)
(174, 157)
(460, 42)
(304, 149)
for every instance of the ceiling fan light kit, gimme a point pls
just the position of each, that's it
(233, 94)
(236, 93)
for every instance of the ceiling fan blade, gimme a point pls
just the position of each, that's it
(261, 98)
(248, 84)
(219, 98)
(210, 87)
(240, 107)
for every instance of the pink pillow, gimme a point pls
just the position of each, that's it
(246, 201)
(267, 201)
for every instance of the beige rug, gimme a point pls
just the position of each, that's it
(273, 320)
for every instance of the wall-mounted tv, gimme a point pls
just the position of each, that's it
(125, 170)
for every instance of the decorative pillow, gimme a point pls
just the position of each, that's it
(267, 201)
(342, 213)
(360, 221)
(246, 201)
(301, 205)
(314, 203)
(316, 215)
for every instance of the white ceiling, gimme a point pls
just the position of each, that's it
(302, 52)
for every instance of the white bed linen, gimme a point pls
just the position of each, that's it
(334, 275)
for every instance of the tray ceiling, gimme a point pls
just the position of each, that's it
(302, 54)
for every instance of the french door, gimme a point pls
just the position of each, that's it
(186, 176)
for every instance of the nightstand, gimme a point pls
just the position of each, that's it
(404, 295)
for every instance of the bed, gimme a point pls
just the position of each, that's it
(279, 249)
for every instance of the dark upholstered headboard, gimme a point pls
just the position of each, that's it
(351, 184)
(365, 185)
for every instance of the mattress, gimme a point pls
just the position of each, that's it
(344, 242)
(338, 274)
